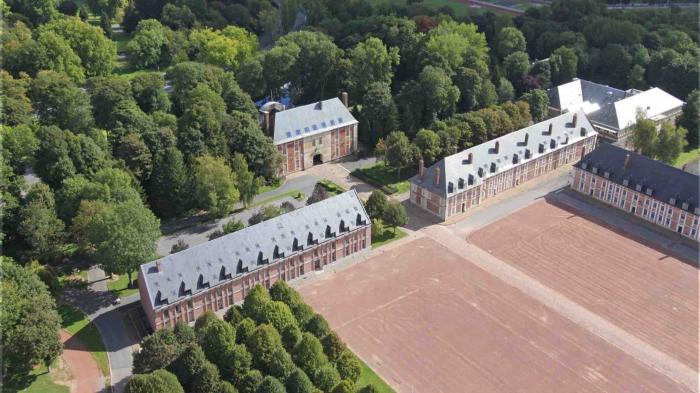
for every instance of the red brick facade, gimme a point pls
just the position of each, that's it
(637, 203)
(492, 186)
(331, 145)
(225, 295)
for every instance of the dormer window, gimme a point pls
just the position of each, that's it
(460, 183)
(480, 172)
(493, 167)
(239, 267)
(358, 220)
(541, 148)
(470, 179)
(527, 154)
(450, 188)
(552, 143)
(200, 282)
(515, 158)
(310, 239)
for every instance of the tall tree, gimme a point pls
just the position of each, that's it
(29, 320)
(509, 40)
(539, 104)
(16, 106)
(168, 191)
(248, 185)
(214, 186)
(690, 117)
(645, 137)
(40, 226)
(60, 102)
(370, 62)
(159, 381)
(379, 114)
(149, 44)
(399, 151)
(564, 64)
(123, 236)
(395, 215)
(428, 143)
(672, 141)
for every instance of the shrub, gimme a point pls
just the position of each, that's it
(233, 315)
(250, 382)
(368, 389)
(216, 340)
(270, 385)
(254, 303)
(281, 291)
(216, 234)
(344, 387)
(244, 329)
(233, 226)
(180, 246)
(278, 315)
(157, 351)
(185, 334)
(188, 365)
(206, 380)
(348, 366)
(287, 207)
(318, 326)
(326, 377)
(204, 320)
(159, 381)
(236, 364)
(263, 344)
(308, 354)
(281, 364)
(290, 337)
(333, 346)
(299, 382)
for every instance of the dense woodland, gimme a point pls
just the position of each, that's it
(166, 126)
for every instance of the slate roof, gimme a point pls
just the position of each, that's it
(311, 119)
(233, 255)
(458, 174)
(663, 181)
(609, 107)
(586, 95)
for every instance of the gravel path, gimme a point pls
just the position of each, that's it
(87, 377)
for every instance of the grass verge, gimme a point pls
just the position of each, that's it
(332, 188)
(687, 156)
(37, 381)
(293, 193)
(385, 178)
(77, 323)
(387, 236)
(368, 376)
(120, 286)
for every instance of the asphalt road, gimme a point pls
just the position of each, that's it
(199, 233)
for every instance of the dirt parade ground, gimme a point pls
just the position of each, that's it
(581, 309)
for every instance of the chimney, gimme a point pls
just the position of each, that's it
(627, 160)
(583, 152)
(437, 177)
(549, 131)
(470, 157)
(684, 167)
(497, 146)
(527, 138)
(266, 122)
(344, 98)
(421, 168)
(159, 267)
(575, 118)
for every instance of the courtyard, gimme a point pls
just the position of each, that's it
(540, 300)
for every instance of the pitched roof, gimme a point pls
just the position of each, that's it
(176, 276)
(311, 119)
(457, 173)
(585, 95)
(610, 107)
(663, 181)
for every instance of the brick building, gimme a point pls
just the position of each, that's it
(661, 194)
(463, 180)
(613, 111)
(312, 134)
(217, 274)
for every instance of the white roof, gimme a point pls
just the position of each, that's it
(653, 103)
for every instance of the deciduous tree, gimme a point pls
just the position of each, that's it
(395, 215)
(159, 381)
(214, 185)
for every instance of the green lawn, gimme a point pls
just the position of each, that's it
(368, 376)
(385, 178)
(332, 188)
(39, 381)
(296, 194)
(388, 236)
(269, 187)
(120, 286)
(77, 279)
(77, 324)
(687, 156)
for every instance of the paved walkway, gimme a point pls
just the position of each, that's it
(111, 321)
(87, 377)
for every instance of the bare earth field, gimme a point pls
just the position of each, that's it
(429, 320)
(643, 291)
